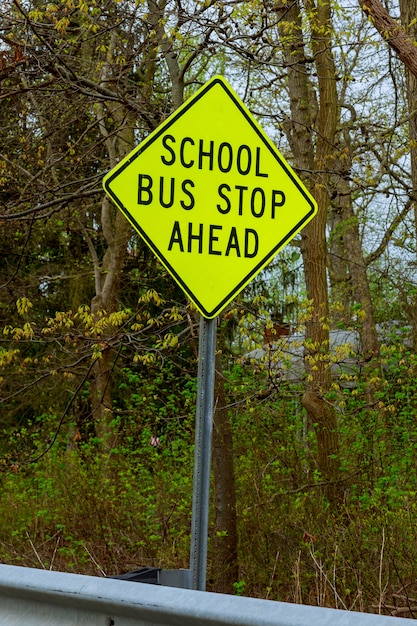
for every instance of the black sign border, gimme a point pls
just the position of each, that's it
(267, 143)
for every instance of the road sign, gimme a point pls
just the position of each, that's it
(211, 195)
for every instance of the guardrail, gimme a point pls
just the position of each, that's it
(31, 597)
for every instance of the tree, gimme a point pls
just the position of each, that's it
(225, 557)
(311, 135)
(103, 61)
(97, 350)
(107, 61)
(408, 12)
(392, 32)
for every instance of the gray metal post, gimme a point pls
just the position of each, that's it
(202, 452)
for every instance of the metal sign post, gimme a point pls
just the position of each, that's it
(202, 452)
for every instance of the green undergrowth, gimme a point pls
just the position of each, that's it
(80, 509)
(87, 512)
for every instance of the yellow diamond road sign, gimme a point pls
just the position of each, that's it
(211, 195)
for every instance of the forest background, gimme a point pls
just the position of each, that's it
(314, 468)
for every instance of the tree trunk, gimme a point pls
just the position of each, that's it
(156, 17)
(225, 558)
(117, 231)
(359, 279)
(107, 272)
(300, 135)
(314, 249)
(408, 9)
(353, 252)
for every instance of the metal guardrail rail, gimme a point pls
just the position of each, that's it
(31, 597)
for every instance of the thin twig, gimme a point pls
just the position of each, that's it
(102, 572)
(272, 575)
(381, 559)
(54, 553)
(319, 566)
(34, 550)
